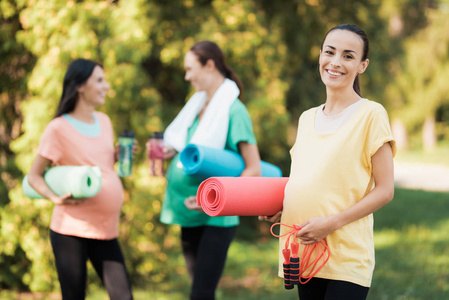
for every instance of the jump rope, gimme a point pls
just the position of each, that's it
(296, 272)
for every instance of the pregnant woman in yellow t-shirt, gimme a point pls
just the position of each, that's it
(341, 172)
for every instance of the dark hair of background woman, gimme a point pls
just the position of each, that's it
(364, 37)
(77, 74)
(206, 50)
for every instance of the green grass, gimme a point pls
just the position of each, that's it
(411, 236)
(412, 259)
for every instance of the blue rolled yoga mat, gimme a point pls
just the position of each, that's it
(209, 162)
(80, 181)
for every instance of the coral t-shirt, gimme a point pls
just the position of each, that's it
(98, 216)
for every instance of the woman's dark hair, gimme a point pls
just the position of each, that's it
(364, 37)
(77, 74)
(206, 50)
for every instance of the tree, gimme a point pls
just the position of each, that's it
(419, 88)
(115, 34)
(273, 46)
(15, 65)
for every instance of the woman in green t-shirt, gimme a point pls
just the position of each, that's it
(213, 117)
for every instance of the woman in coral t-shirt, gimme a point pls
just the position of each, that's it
(86, 228)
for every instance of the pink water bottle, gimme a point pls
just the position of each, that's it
(155, 154)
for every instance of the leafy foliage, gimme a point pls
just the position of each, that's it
(420, 89)
(273, 46)
(15, 64)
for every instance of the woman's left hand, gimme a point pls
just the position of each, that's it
(315, 230)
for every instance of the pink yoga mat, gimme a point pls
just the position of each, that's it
(241, 196)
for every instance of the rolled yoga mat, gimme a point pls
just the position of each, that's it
(241, 196)
(80, 181)
(209, 162)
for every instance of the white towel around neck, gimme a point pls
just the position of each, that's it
(212, 130)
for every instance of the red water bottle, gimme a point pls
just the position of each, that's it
(155, 154)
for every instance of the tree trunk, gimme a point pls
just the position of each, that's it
(429, 137)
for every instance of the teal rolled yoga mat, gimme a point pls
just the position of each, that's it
(80, 181)
(209, 162)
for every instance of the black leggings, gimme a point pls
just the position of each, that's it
(326, 289)
(205, 249)
(71, 254)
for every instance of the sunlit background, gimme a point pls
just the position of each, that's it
(273, 46)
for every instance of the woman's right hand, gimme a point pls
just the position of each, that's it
(168, 152)
(274, 218)
(191, 204)
(67, 200)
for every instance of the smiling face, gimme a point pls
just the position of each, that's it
(196, 73)
(94, 90)
(341, 59)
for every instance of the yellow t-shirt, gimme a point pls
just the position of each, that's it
(331, 172)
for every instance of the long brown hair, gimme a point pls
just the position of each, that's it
(77, 74)
(206, 50)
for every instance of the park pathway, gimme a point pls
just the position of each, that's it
(429, 177)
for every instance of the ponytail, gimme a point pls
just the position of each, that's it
(229, 73)
(76, 75)
(356, 85)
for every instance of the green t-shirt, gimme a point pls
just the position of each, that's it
(180, 186)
